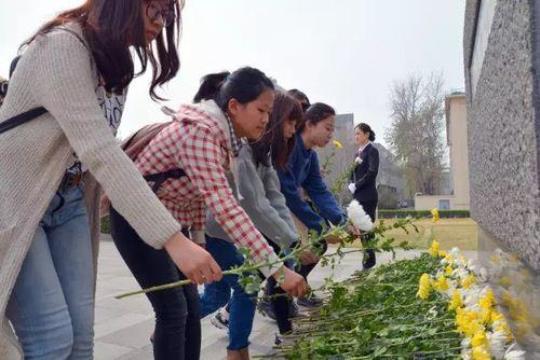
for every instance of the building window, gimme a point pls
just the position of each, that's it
(444, 204)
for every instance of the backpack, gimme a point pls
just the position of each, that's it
(136, 143)
(3, 89)
(21, 118)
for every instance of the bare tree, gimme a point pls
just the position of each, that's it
(416, 133)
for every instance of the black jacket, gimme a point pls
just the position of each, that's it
(364, 175)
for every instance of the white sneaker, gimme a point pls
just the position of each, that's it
(221, 319)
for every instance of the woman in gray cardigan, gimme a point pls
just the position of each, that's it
(77, 67)
(259, 194)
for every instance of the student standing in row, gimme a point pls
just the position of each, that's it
(259, 191)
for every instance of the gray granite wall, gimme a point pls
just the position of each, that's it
(503, 133)
(503, 144)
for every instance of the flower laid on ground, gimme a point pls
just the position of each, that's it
(377, 315)
(435, 214)
(486, 334)
(358, 216)
(434, 249)
(338, 145)
(424, 287)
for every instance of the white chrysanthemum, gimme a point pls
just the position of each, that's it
(452, 286)
(497, 341)
(514, 354)
(358, 216)
(459, 272)
(466, 353)
(471, 297)
(455, 252)
(483, 275)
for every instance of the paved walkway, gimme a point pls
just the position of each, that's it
(123, 327)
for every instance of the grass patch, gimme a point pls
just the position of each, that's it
(462, 233)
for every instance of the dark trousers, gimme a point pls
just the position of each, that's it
(370, 207)
(320, 249)
(281, 303)
(178, 329)
(279, 299)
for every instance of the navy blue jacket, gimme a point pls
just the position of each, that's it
(303, 172)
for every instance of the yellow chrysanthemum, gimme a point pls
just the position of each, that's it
(338, 145)
(434, 249)
(441, 284)
(468, 281)
(516, 308)
(487, 301)
(424, 287)
(455, 301)
(448, 270)
(435, 213)
(505, 281)
(496, 259)
(468, 322)
(480, 353)
(486, 316)
(479, 339)
(500, 324)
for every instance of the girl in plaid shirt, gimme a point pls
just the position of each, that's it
(203, 141)
(265, 204)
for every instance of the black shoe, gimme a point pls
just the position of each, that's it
(266, 309)
(310, 302)
(369, 259)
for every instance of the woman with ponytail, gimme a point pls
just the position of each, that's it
(203, 142)
(363, 179)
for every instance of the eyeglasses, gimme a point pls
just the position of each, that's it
(166, 12)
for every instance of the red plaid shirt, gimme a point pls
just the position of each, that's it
(196, 143)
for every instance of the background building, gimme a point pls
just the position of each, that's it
(455, 184)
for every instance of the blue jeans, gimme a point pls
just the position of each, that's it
(217, 295)
(52, 303)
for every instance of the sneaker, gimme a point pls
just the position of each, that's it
(266, 309)
(220, 320)
(282, 340)
(278, 339)
(310, 302)
(293, 309)
(369, 260)
(264, 306)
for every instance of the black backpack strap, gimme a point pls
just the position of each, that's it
(21, 119)
(160, 178)
(13, 65)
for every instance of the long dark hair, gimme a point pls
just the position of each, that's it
(300, 97)
(366, 129)
(244, 85)
(285, 108)
(317, 113)
(110, 28)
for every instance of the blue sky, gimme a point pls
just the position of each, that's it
(346, 53)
